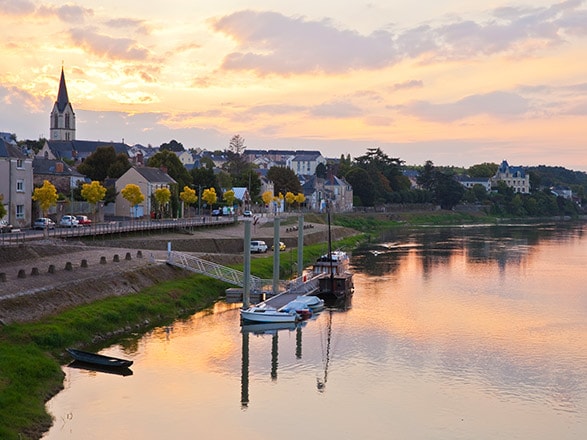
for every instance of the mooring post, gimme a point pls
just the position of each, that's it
(300, 245)
(276, 251)
(247, 264)
(168, 251)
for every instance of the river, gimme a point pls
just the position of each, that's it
(452, 333)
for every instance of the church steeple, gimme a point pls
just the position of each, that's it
(62, 120)
(62, 98)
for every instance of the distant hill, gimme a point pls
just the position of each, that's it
(545, 176)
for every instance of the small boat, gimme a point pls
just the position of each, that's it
(98, 359)
(119, 371)
(268, 314)
(299, 307)
(314, 303)
(268, 328)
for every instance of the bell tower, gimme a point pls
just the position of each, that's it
(62, 119)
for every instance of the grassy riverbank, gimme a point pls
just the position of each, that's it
(31, 354)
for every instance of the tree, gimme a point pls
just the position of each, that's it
(173, 165)
(172, 145)
(237, 144)
(321, 170)
(300, 198)
(228, 197)
(188, 196)
(284, 180)
(267, 197)
(162, 197)
(93, 192)
(46, 196)
(104, 163)
(209, 196)
(290, 198)
(2, 208)
(483, 170)
(363, 187)
(132, 193)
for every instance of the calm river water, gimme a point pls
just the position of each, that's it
(453, 333)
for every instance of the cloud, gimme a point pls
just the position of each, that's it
(497, 104)
(336, 109)
(406, 85)
(272, 43)
(108, 47)
(67, 13)
(16, 7)
(269, 42)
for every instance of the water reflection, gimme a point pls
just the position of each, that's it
(453, 333)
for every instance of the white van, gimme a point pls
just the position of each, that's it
(258, 246)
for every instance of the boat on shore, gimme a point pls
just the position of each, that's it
(264, 313)
(98, 359)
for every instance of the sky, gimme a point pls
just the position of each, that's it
(455, 82)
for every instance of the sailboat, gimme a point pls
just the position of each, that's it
(332, 271)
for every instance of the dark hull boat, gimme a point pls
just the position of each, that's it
(331, 270)
(98, 359)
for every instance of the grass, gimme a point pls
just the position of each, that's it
(31, 353)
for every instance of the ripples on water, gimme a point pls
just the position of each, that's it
(453, 333)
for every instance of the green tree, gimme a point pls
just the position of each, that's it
(363, 186)
(103, 163)
(93, 193)
(46, 196)
(172, 145)
(168, 160)
(321, 170)
(284, 180)
(483, 170)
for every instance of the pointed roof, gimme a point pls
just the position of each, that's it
(62, 98)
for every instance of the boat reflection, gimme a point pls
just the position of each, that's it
(124, 371)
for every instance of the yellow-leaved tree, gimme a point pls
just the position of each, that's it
(290, 198)
(209, 196)
(188, 196)
(162, 197)
(267, 197)
(300, 198)
(132, 193)
(45, 196)
(229, 197)
(93, 193)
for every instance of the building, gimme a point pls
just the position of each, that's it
(61, 175)
(16, 184)
(148, 179)
(62, 119)
(305, 163)
(514, 177)
(470, 182)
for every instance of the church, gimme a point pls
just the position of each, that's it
(62, 143)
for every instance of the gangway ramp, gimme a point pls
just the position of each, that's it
(214, 270)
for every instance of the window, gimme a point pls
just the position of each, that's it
(20, 185)
(66, 120)
(19, 163)
(19, 211)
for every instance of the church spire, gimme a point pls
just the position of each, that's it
(62, 98)
(62, 119)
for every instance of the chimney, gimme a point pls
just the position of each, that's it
(59, 167)
(163, 168)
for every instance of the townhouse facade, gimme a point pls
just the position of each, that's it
(16, 184)
(148, 179)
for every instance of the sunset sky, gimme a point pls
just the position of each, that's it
(458, 83)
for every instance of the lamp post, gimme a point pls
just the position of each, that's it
(199, 200)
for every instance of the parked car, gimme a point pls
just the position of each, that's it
(83, 220)
(281, 246)
(258, 246)
(43, 223)
(217, 212)
(5, 226)
(69, 221)
(247, 213)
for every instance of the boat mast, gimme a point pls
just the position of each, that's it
(330, 253)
